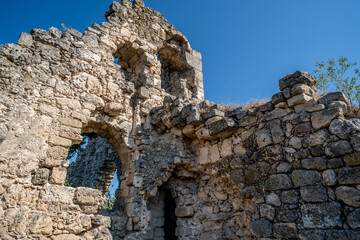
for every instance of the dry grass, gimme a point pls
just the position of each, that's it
(252, 103)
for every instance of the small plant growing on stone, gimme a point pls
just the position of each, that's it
(64, 28)
(109, 201)
(67, 183)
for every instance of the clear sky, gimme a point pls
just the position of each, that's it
(247, 46)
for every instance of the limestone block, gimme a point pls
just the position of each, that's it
(25, 40)
(353, 219)
(267, 211)
(285, 231)
(70, 103)
(239, 150)
(203, 157)
(290, 197)
(352, 160)
(212, 113)
(59, 141)
(74, 134)
(113, 109)
(277, 113)
(299, 77)
(343, 128)
(315, 108)
(324, 118)
(49, 110)
(314, 194)
(184, 211)
(276, 131)
(93, 99)
(349, 175)
(66, 237)
(58, 175)
(263, 138)
(349, 195)
(226, 147)
(189, 131)
(295, 142)
(304, 106)
(41, 224)
(41, 176)
(203, 133)
(305, 177)
(302, 88)
(316, 163)
(277, 182)
(278, 98)
(222, 127)
(333, 96)
(71, 122)
(298, 99)
(329, 177)
(57, 194)
(57, 152)
(214, 153)
(88, 196)
(261, 228)
(323, 215)
(316, 138)
(339, 148)
(273, 199)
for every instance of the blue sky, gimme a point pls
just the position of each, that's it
(247, 46)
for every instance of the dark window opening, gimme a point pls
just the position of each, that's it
(169, 216)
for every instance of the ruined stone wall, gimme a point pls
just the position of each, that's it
(288, 169)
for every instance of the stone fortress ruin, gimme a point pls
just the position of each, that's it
(188, 168)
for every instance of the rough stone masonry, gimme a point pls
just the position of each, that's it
(189, 168)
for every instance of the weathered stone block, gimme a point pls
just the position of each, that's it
(316, 163)
(302, 178)
(343, 127)
(352, 160)
(58, 175)
(298, 99)
(349, 175)
(222, 127)
(353, 219)
(337, 149)
(299, 77)
(88, 197)
(314, 194)
(261, 228)
(348, 195)
(59, 141)
(329, 177)
(334, 96)
(41, 176)
(184, 211)
(113, 109)
(277, 98)
(323, 118)
(285, 230)
(278, 182)
(323, 215)
(263, 138)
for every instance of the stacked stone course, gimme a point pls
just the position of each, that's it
(288, 169)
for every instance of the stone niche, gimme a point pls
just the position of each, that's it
(190, 168)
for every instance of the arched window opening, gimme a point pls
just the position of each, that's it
(95, 164)
(174, 71)
(128, 56)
